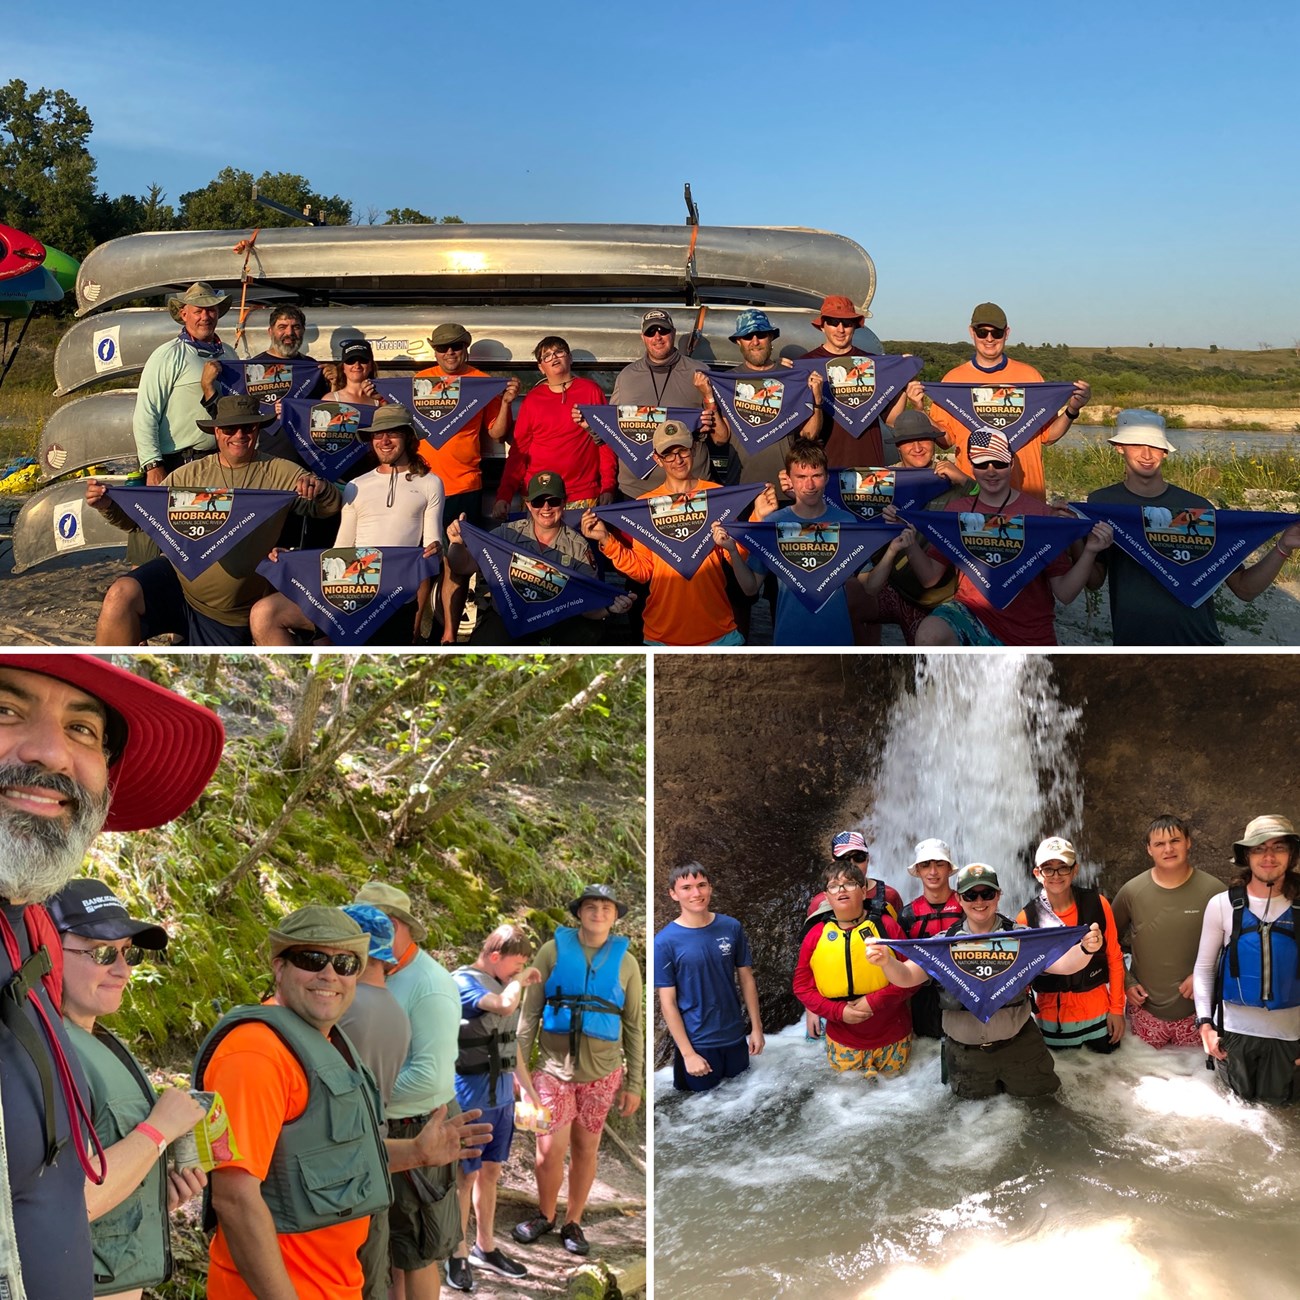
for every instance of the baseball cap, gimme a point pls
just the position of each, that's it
(974, 874)
(657, 316)
(1055, 849)
(848, 842)
(91, 909)
(989, 313)
(356, 350)
(672, 433)
(988, 446)
(546, 484)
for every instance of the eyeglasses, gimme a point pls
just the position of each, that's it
(546, 503)
(988, 332)
(840, 322)
(842, 886)
(980, 895)
(675, 453)
(858, 857)
(547, 357)
(655, 331)
(108, 953)
(1055, 871)
(315, 961)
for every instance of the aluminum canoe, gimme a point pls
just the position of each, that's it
(56, 521)
(90, 431)
(761, 265)
(117, 343)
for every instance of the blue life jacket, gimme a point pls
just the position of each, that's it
(1260, 964)
(583, 998)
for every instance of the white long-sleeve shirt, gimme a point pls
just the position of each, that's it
(391, 510)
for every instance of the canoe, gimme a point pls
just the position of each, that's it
(20, 293)
(762, 265)
(56, 521)
(118, 343)
(63, 267)
(19, 253)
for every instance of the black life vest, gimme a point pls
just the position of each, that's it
(1097, 971)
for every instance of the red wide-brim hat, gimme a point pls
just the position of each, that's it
(172, 745)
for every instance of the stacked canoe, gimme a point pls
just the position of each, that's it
(392, 285)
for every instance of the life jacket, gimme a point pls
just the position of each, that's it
(585, 997)
(487, 1042)
(131, 1243)
(839, 961)
(330, 1164)
(1260, 963)
(876, 907)
(920, 919)
(947, 1000)
(1097, 971)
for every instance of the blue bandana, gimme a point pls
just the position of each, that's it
(762, 406)
(324, 434)
(442, 404)
(1019, 410)
(630, 430)
(860, 387)
(866, 492)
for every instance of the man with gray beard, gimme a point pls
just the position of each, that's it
(84, 746)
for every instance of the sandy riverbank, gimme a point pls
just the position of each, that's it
(1281, 419)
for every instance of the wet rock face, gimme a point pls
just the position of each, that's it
(756, 756)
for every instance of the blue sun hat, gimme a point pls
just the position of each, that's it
(752, 321)
(377, 925)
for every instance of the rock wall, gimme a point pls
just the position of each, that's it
(756, 754)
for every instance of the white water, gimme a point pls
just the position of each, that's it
(981, 756)
(1140, 1180)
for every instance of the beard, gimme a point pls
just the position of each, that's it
(39, 855)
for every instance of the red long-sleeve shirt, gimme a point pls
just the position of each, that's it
(546, 438)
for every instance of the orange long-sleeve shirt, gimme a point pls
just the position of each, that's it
(1108, 998)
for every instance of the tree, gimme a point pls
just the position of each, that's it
(226, 202)
(414, 217)
(47, 175)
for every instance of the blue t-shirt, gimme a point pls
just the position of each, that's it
(472, 1089)
(795, 623)
(701, 964)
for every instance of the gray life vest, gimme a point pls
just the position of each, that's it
(330, 1164)
(132, 1242)
(487, 1043)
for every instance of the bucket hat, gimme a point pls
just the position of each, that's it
(395, 903)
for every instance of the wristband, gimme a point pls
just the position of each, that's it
(152, 1134)
(1071, 415)
(1286, 555)
(1204, 1020)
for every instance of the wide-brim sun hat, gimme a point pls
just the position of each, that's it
(235, 409)
(1262, 829)
(1139, 428)
(395, 903)
(171, 745)
(839, 307)
(388, 419)
(199, 294)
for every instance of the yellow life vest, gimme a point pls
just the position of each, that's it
(839, 961)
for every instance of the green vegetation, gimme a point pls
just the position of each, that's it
(1130, 376)
(489, 787)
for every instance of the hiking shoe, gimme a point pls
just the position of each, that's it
(530, 1229)
(459, 1276)
(497, 1261)
(574, 1242)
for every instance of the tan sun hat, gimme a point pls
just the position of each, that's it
(331, 926)
(393, 903)
(1262, 829)
(199, 294)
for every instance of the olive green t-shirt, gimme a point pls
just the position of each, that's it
(1162, 930)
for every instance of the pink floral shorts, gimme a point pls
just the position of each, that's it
(588, 1103)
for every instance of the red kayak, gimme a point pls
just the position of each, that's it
(19, 253)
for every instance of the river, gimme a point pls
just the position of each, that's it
(1216, 441)
(1141, 1176)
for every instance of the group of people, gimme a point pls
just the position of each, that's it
(408, 493)
(367, 1106)
(1178, 956)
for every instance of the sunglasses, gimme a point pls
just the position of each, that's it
(231, 429)
(108, 953)
(980, 895)
(315, 961)
(449, 347)
(546, 503)
(989, 332)
(990, 464)
(656, 330)
(858, 857)
(840, 322)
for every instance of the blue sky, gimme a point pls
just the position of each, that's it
(1109, 173)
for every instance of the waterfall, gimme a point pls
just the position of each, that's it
(982, 755)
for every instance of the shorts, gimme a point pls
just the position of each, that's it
(167, 611)
(1164, 1033)
(1019, 1066)
(969, 630)
(373, 1258)
(497, 1151)
(732, 638)
(724, 1063)
(892, 607)
(1260, 1069)
(424, 1218)
(588, 1103)
(872, 1061)
(469, 504)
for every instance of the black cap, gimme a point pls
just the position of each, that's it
(603, 892)
(92, 910)
(356, 350)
